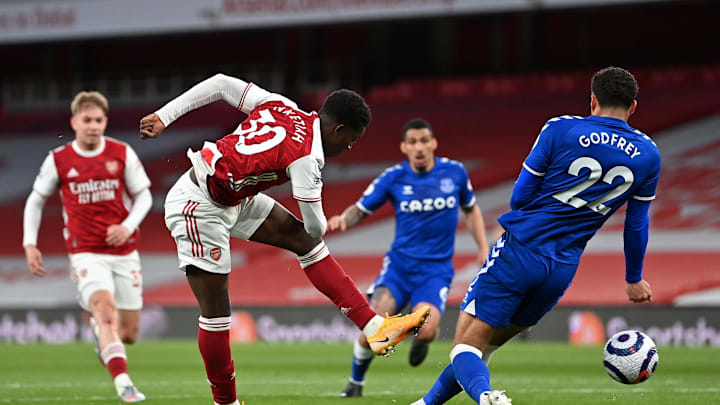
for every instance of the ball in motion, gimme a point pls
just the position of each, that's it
(630, 357)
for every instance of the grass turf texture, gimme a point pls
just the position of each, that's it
(171, 372)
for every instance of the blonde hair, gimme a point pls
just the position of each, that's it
(92, 98)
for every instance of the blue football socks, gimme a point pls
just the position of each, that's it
(445, 387)
(470, 370)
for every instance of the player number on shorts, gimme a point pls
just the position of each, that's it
(569, 196)
(244, 135)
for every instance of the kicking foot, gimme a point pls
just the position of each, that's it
(131, 394)
(394, 329)
(418, 352)
(353, 389)
(494, 398)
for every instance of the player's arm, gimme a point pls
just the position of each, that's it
(351, 216)
(372, 199)
(306, 181)
(524, 189)
(476, 225)
(138, 184)
(533, 169)
(236, 92)
(635, 236)
(45, 184)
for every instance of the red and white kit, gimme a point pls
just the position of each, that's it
(276, 143)
(96, 189)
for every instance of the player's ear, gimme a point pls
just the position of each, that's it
(72, 122)
(593, 104)
(632, 108)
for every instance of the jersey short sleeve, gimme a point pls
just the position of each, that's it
(306, 179)
(538, 160)
(467, 194)
(47, 180)
(136, 179)
(375, 194)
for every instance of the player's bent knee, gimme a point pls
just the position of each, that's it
(129, 336)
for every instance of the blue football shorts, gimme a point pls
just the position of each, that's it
(516, 285)
(415, 280)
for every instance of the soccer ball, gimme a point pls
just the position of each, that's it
(630, 357)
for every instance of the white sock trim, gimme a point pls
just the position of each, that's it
(373, 326)
(318, 253)
(463, 348)
(113, 350)
(215, 324)
(362, 353)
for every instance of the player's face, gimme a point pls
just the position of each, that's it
(341, 139)
(419, 146)
(89, 125)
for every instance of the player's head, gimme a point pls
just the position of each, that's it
(419, 144)
(614, 90)
(343, 119)
(89, 118)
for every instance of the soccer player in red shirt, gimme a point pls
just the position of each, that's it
(105, 195)
(220, 197)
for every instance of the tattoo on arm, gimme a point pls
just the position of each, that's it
(353, 216)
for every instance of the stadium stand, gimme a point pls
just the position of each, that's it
(489, 123)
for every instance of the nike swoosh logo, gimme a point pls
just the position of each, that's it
(387, 339)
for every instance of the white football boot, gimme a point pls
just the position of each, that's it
(494, 398)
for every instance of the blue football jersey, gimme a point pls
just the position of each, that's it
(590, 167)
(426, 206)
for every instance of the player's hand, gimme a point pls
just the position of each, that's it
(151, 126)
(639, 292)
(337, 223)
(34, 260)
(117, 235)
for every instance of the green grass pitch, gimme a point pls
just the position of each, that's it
(171, 372)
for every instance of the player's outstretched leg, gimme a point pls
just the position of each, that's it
(283, 230)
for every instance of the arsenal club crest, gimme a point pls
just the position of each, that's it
(83, 273)
(112, 166)
(215, 253)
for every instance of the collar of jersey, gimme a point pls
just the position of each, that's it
(89, 153)
(613, 121)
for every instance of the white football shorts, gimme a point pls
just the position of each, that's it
(202, 228)
(119, 274)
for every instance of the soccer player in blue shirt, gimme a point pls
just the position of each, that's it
(578, 173)
(425, 192)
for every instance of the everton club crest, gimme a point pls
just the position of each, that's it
(447, 186)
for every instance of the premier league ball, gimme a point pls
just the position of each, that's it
(630, 357)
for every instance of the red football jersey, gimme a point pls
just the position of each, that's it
(257, 154)
(93, 189)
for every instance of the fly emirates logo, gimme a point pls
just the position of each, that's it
(93, 191)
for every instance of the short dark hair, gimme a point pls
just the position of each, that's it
(614, 87)
(347, 107)
(416, 123)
